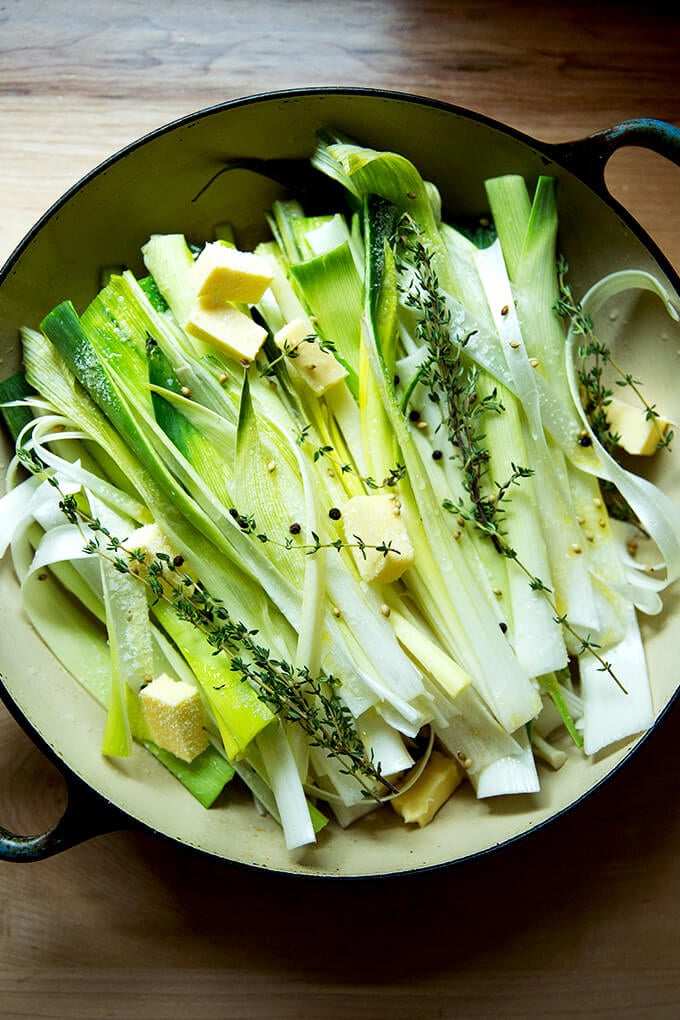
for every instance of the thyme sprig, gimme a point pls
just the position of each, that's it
(585, 643)
(292, 692)
(324, 450)
(450, 379)
(384, 548)
(248, 525)
(453, 381)
(536, 584)
(595, 357)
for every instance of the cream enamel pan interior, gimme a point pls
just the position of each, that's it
(151, 187)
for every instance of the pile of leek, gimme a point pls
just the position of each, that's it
(487, 644)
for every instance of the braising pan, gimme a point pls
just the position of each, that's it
(158, 185)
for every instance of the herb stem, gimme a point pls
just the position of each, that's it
(450, 380)
(292, 693)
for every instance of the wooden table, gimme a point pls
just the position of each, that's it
(581, 921)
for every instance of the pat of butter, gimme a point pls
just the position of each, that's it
(440, 778)
(376, 520)
(226, 328)
(319, 368)
(222, 273)
(174, 715)
(149, 539)
(637, 434)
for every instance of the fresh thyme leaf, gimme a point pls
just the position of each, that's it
(303, 435)
(292, 351)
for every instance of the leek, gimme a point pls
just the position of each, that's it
(204, 500)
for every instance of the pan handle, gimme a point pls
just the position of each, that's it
(87, 814)
(588, 157)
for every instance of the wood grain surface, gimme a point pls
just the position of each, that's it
(582, 920)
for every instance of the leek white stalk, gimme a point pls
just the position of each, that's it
(285, 782)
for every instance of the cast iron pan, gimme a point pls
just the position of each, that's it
(107, 216)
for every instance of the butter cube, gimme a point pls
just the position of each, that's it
(638, 434)
(149, 539)
(376, 521)
(174, 715)
(440, 778)
(222, 273)
(226, 328)
(320, 369)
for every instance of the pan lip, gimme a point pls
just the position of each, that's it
(551, 152)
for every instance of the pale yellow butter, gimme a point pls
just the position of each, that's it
(226, 328)
(638, 434)
(440, 778)
(149, 539)
(377, 521)
(320, 369)
(222, 273)
(174, 715)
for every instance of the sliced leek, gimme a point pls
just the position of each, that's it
(190, 502)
